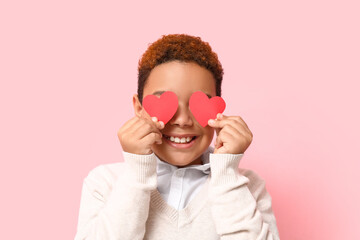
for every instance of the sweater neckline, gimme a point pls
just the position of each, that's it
(183, 216)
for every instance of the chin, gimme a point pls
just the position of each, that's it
(180, 161)
(181, 164)
(181, 157)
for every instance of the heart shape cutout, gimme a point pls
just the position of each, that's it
(204, 108)
(163, 108)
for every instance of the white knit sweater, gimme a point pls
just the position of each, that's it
(121, 201)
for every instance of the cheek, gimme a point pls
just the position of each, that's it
(209, 132)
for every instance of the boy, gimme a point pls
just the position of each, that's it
(172, 184)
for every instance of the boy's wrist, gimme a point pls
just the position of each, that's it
(142, 168)
(224, 167)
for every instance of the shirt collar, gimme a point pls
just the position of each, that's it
(164, 167)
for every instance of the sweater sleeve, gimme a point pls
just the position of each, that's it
(241, 206)
(118, 210)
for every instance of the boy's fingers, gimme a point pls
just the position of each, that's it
(234, 130)
(219, 116)
(152, 138)
(215, 123)
(239, 119)
(159, 124)
(243, 124)
(220, 123)
(231, 124)
(128, 125)
(143, 128)
(134, 129)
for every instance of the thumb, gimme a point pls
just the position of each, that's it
(214, 123)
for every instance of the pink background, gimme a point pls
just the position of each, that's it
(68, 70)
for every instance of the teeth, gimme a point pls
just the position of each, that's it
(180, 140)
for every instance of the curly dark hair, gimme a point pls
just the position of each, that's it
(181, 47)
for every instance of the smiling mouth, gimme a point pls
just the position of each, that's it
(180, 140)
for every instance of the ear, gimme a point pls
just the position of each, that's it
(138, 108)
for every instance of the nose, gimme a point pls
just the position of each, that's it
(182, 117)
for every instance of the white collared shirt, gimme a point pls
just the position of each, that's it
(179, 185)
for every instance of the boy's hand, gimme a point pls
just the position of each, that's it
(138, 135)
(233, 135)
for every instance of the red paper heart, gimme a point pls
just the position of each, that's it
(163, 108)
(204, 108)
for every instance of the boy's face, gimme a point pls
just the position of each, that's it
(183, 79)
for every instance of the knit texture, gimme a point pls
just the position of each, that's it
(120, 201)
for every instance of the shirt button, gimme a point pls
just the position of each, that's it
(179, 173)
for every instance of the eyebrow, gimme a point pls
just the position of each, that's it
(161, 92)
(158, 92)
